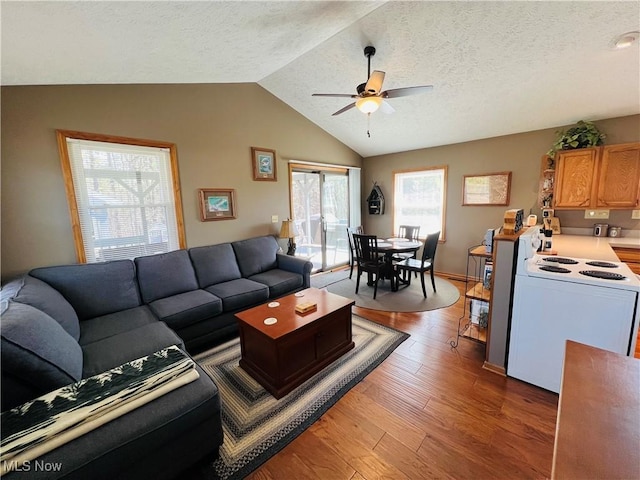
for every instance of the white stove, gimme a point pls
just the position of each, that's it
(582, 270)
(557, 299)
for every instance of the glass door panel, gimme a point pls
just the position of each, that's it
(320, 203)
(335, 212)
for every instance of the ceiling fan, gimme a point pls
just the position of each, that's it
(369, 96)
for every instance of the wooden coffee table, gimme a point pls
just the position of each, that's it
(283, 355)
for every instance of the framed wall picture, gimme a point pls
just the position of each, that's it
(264, 164)
(486, 189)
(217, 203)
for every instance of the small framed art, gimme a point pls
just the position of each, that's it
(217, 203)
(264, 164)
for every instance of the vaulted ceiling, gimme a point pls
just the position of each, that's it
(496, 67)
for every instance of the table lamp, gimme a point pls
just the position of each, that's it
(288, 230)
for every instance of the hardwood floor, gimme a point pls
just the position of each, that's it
(428, 411)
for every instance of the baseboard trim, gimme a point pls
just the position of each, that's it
(494, 368)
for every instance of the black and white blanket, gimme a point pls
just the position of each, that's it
(38, 426)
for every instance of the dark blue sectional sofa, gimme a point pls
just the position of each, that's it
(64, 323)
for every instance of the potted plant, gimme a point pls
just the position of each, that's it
(584, 134)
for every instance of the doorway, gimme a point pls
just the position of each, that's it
(320, 206)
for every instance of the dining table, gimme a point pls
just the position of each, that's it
(392, 246)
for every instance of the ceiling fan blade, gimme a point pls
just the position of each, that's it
(374, 84)
(344, 109)
(386, 107)
(337, 95)
(406, 91)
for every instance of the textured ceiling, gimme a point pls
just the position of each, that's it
(497, 67)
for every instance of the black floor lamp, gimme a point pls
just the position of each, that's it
(288, 230)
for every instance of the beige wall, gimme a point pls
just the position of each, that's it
(213, 126)
(519, 154)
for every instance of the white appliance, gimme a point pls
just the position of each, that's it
(555, 300)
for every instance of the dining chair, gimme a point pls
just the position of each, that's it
(352, 246)
(410, 232)
(425, 264)
(368, 259)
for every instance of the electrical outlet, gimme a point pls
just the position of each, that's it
(635, 214)
(274, 218)
(596, 214)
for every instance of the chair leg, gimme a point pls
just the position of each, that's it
(424, 290)
(358, 281)
(351, 271)
(375, 285)
(433, 282)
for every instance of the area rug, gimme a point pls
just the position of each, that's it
(406, 299)
(256, 425)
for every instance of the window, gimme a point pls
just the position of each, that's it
(124, 196)
(419, 198)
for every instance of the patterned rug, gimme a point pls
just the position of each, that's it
(256, 426)
(406, 299)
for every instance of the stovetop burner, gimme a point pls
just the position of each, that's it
(598, 263)
(554, 269)
(602, 274)
(562, 260)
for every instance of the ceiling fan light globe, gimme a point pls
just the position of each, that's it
(368, 104)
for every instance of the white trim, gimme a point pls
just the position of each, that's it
(318, 164)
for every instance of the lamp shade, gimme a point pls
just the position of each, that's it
(368, 104)
(287, 230)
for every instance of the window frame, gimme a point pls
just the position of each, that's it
(63, 135)
(444, 169)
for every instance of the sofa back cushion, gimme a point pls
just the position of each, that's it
(214, 264)
(256, 255)
(94, 289)
(44, 297)
(37, 354)
(164, 275)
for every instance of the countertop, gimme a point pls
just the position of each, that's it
(594, 248)
(598, 427)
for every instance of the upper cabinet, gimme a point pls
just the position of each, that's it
(619, 177)
(575, 178)
(599, 177)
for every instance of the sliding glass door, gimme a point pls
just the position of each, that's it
(320, 205)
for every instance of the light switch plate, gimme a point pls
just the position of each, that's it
(596, 214)
(635, 214)
(274, 218)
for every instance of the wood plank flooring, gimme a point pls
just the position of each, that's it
(428, 411)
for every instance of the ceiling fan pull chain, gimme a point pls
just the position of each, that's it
(368, 124)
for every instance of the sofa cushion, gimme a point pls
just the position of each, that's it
(186, 308)
(41, 295)
(94, 289)
(165, 275)
(256, 255)
(36, 351)
(279, 282)
(106, 326)
(214, 264)
(240, 293)
(113, 351)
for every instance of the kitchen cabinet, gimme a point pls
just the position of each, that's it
(575, 178)
(598, 177)
(473, 323)
(630, 256)
(619, 176)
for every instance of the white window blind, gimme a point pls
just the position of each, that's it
(125, 199)
(419, 199)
